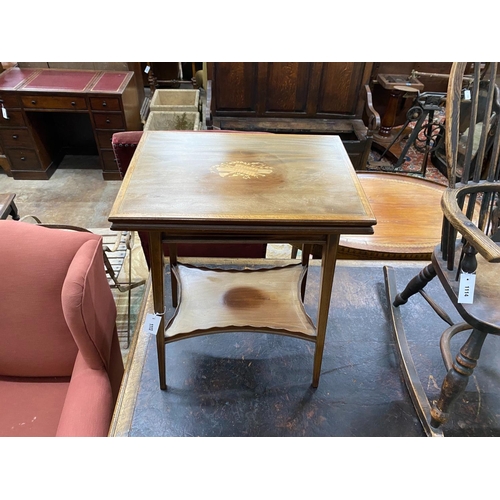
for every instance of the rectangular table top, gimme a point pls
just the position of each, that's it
(64, 80)
(213, 178)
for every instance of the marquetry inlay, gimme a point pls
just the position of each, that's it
(245, 169)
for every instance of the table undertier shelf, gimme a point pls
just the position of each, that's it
(265, 300)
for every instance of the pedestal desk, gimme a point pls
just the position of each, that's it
(193, 187)
(46, 113)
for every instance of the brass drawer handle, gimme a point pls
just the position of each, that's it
(73, 103)
(15, 136)
(23, 158)
(104, 104)
(33, 102)
(108, 120)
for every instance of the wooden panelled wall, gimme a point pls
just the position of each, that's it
(306, 90)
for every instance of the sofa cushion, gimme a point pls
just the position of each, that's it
(31, 407)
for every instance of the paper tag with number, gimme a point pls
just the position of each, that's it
(146, 69)
(4, 113)
(466, 288)
(152, 323)
(467, 94)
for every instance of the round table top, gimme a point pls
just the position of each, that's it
(409, 218)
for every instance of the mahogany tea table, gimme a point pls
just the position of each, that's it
(248, 188)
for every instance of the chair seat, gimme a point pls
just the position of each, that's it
(484, 313)
(31, 408)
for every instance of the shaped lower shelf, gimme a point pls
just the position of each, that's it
(215, 300)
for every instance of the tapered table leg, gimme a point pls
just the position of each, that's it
(329, 257)
(306, 250)
(172, 252)
(157, 270)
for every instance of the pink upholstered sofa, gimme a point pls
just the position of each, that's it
(60, 360)
(124, 145)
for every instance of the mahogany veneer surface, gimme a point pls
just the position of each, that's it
(249, 178)
(267, 299)
(409, 218)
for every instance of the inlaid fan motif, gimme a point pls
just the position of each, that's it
(245, 169)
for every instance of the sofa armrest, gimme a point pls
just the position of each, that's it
(88, 407)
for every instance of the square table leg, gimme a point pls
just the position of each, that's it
(157, 278)
(172, 252)
(328, 260)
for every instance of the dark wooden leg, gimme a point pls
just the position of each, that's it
(415, 285)
(152, 80)
(172, 250)
(389, 117)
(457, 377)
(306, 250)
(329, 257)
(13, 211)
(8, 207)
(156, 259)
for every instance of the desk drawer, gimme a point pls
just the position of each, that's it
(15, 119)
(108, 120)
(23, 159)
(53, 102)
(109, 161)
(10, 101)
(16, 138)
(104, 138)
(105, 103)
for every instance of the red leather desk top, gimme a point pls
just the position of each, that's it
(60, 80)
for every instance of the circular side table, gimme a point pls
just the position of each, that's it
(409, 218)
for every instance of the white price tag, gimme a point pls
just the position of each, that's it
(152, 323)
(146, 69)
(467, 94)
(466, 287)
(4, 113)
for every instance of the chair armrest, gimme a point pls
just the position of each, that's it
(88, 406)
(480, 241)
(373, 116)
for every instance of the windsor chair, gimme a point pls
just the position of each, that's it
(466, 260)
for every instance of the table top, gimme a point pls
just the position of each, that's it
(181, 178)
(400, 232)
(64, 80)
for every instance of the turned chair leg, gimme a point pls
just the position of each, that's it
(457, 377)
(415, 285)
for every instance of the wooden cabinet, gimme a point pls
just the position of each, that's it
(47, 113)
(382, 96)
(293, 97)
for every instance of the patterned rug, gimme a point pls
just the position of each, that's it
(413, 159)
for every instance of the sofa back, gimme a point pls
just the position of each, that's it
(35, 340)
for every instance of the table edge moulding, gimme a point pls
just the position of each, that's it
(186, 187)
